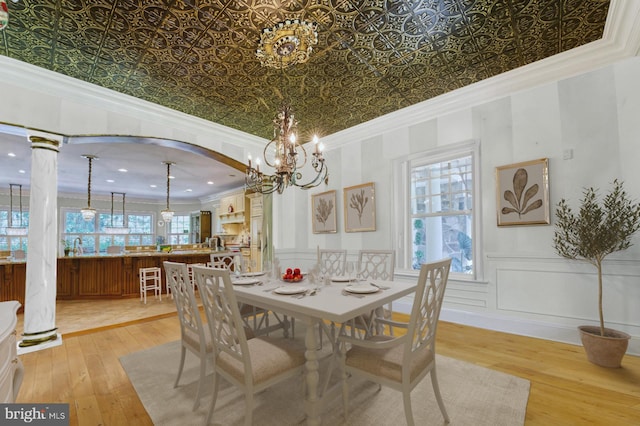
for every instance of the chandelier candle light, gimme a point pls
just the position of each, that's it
(167, 214)
(286, 44)
(15, 230)
(117, 230)
(89, 213)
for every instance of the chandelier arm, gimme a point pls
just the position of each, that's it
(264, 152)
(304, 151)
(322, 174)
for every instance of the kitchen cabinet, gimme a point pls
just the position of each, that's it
(232, 209)
(256, 231)
(200, 227)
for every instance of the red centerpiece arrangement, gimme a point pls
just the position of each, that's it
(292, 275)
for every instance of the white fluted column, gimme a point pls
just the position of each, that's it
(42, 244)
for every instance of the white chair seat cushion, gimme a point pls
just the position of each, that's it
(192, 339)
(269, 357)
(387, 362)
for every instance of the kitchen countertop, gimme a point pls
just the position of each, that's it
(9, 261)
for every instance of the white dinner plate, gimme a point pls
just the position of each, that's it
(365, 288)
(341, 279)
(245, 281)
(290, 289)
(253, 274)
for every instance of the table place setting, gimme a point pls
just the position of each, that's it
(245, 281)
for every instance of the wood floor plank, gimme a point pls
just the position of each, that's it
(86, 372)
(88, 411)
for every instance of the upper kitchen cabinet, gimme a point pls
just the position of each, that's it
(232, 209)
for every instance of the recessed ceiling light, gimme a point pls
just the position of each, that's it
(210, 183)
(171, 177)
(110, 180)
(123, 170)
(188, 190)
(11, 154)
(21, 171)
(153, 186)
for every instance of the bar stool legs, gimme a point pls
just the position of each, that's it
(150, 279)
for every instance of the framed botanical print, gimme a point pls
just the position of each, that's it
(523, 193)
(360, 208)
(323, 212)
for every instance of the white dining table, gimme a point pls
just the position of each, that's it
(329, 303)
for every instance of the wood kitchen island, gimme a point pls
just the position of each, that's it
(104, 276)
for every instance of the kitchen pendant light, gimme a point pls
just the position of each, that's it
(15, 230)
(89, 213)
(117, 230)
(167, 214)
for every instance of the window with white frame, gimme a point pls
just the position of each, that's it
(13, 242)
(439, 208)
(179, 229)
(95, 239)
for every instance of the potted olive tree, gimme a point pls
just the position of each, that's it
(596, 231)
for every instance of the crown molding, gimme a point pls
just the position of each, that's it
(52, 83)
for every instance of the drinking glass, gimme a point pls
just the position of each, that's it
(351, 270)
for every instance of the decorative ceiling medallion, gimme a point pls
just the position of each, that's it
(287, 43)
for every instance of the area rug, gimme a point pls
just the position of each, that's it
(473, 395)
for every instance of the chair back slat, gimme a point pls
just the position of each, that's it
(423, 323)
(376, 264)
(223, 315)
(332, 262)
(228, 260)
(177, 277)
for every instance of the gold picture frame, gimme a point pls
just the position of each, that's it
(360, 208)
(323, 213)
(523, 193)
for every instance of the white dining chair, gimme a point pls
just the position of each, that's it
(255, 318)
(402, 362)
(193, 335)
(251, 365)
(331, 262)
(376, 265)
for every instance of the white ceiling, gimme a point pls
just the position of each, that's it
(142, 158)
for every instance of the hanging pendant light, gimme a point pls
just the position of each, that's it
(167, 214)
(89, 213)
(117, 230)
(15, 230)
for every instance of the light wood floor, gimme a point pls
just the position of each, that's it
(86, 373)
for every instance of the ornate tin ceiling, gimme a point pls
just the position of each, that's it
(373, 57)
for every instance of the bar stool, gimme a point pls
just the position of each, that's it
(150, 279)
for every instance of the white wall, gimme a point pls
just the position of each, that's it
(527, 288)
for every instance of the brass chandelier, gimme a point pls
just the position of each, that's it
(282, 46)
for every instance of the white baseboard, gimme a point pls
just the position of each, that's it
(522, 327)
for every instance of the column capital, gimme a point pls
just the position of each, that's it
(44, 140)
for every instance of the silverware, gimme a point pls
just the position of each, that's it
(301, 295)
(381, 287)
(347, 293)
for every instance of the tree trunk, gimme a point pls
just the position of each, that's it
(599, 266)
